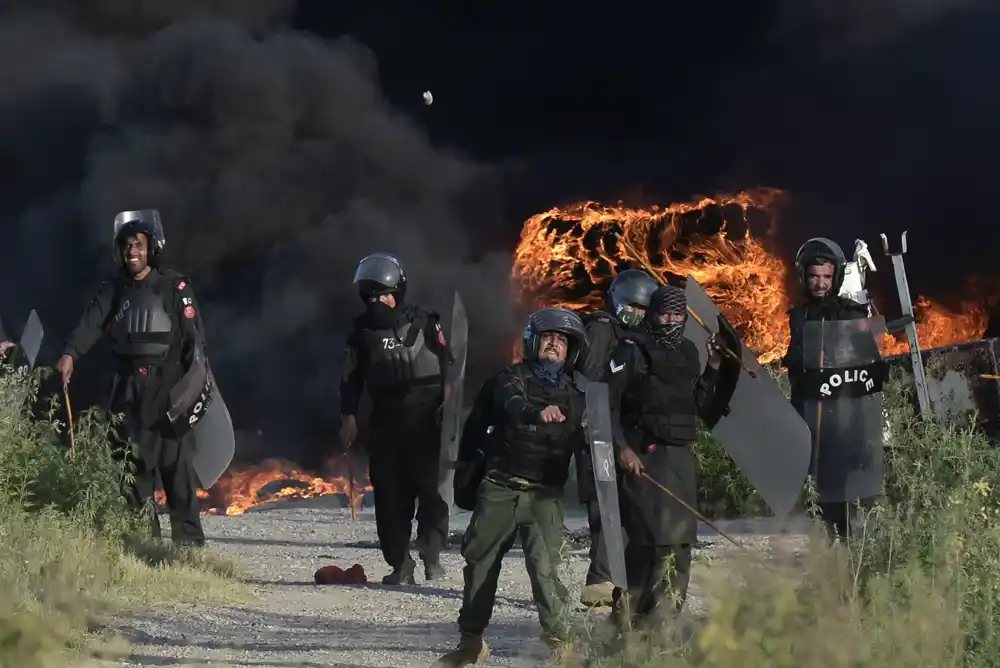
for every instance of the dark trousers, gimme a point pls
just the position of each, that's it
(658, 579)
(159, 450)
(837, 518)
(599, 571)
(404, 479)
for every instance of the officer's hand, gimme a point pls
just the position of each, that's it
(348, 430)
(552, 414)
(65, 367)
(5, 346)
(630, 462)
(715, 352)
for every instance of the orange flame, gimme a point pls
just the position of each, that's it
(568, 255)
(240, 488)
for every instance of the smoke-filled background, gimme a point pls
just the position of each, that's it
(283, 141)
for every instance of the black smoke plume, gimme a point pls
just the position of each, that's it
(276, 164)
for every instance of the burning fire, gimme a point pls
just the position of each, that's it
(244, 487)
(569, 255)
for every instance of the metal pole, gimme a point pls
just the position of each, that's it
(903, 286)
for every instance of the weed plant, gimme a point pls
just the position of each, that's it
(70, 547)
(916, 585)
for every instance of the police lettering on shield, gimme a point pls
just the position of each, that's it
(847, 377)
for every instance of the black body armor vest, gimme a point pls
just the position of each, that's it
(399, 358)
(140, 327)
(540, 453)
(664, 408)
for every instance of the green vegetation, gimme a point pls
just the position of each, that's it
(919, 585)
(70, 548)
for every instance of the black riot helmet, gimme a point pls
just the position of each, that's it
(559, 320)
(629, 291)
(380, 274)
(820, 250)
(667, 299)
(146, 221)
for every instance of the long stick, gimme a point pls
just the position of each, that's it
(350, 484)
(694, 512)
(69, 420)
(659, 279)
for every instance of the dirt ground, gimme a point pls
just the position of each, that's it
(292, 622)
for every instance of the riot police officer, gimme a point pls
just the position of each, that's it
(399, 353)
(820, 264)
(539, 406)
(627, 299)
(151, 318)
(657, 392)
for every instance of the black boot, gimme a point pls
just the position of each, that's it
(433, 570)
(401, 575)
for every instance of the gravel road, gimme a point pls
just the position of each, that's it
(294, 623)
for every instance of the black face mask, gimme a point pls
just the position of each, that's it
(382, 315)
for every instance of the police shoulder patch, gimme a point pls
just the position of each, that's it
(183, 284)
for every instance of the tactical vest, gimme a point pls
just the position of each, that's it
(140, 327)
(399, 358)
(540, 453)
(664, 409)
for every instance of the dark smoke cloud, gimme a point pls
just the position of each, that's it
(843, 26)
(275, 162)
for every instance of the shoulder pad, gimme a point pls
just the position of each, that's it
(598, 316)
(176, 278)
(416, 310)
(849, 303)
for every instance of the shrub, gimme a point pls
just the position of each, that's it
(917, 585)
(70, 547)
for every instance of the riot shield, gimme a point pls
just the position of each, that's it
(451, 415)
(760, 429)
(599, 436)
(22, 357)
(206, 421)
(842, 392)
(31, 339)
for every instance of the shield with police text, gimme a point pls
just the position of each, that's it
(451, 413)
(599, 437)
(198, 411)
(842, 392)
(758, 427)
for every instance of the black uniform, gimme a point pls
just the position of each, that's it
(402, 362)
(154, 327)
(657, 392)
(831, 308)
(603, 334)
